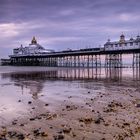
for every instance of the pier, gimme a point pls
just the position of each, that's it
(78, 58)
(36, 55)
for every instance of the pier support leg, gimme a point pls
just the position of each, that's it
(113, 61)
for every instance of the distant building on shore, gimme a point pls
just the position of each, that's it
(32, 48)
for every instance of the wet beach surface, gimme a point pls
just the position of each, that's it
(39, 103)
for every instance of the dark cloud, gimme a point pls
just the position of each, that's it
(62, 24)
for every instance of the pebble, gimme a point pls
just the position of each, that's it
(137, 105)
(38, 132)
(29, 102)
(86, 120)
(59, 137)
(67, 130)
(19, 101)
(12, 134)
(32, 119)
(20, 137)
(3, 133)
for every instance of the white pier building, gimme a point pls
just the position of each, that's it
(33, 48)
(123, 44)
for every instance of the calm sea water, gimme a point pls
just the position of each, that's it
(53, 85)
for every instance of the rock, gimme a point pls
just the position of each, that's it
(51, 116)
(97, 121)
(3, 133)
(14, 123)
(21, 124)
(73, 134)
(106, 124)
(20, 137)
(59, 137)
(36, 132)
(67, 129)
(68, 106)
(137, 105)
(32, 119)
(12, 134)
(126, 124)
(39, 118)
(44, 134)
(86, 120)
(137, 130)
(29, 102)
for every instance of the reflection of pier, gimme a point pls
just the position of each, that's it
(69, 74)
(60, 74)
(34, 80)
(136, 73)
(113, 73)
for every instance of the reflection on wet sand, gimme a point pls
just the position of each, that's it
(62, 74)
(34, 80)
(72, 74)
(114, 74)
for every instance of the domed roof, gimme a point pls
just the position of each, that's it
(108, 42)
(131, 39)
(39, 47)
(34, 41)
(122, 35)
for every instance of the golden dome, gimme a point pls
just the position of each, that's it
(34, 40)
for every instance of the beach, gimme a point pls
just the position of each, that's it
(39, 103)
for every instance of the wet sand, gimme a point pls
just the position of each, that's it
(100, 110)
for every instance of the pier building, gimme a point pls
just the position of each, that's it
(123, 43)
(31, 49)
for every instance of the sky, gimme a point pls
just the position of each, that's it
(63, 24)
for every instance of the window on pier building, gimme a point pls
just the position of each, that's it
(136, 43)
(120, 44)
(131, 43)
(125, 44)
(116, 45)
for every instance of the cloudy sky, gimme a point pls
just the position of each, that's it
(62, 24)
